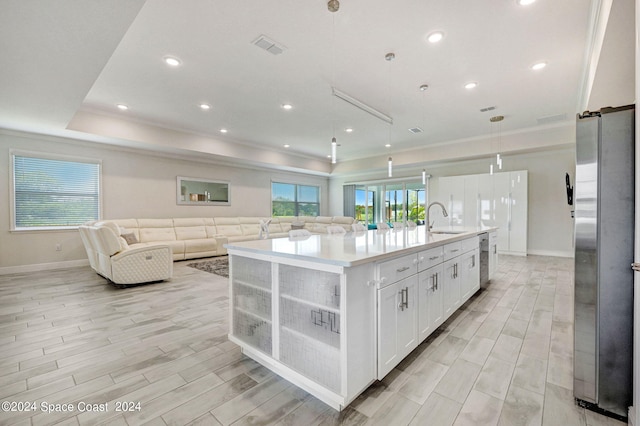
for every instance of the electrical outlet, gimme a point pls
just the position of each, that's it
(58, 247)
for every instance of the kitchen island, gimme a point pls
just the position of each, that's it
(333, 313)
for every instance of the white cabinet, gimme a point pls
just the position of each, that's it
(501, 209)
(499, 200)
(451, 194)
(493, 253)
(469, 273)
(430, 309)
(471, 205)
(291, 315)
(397, 323)
(518, 219)
(451, 286)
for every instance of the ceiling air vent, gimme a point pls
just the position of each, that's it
(415, 130)
(491, 108)
(552, 119)
(269, 45)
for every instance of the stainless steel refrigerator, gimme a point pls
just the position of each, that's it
(604, 230)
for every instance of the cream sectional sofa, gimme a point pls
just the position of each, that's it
(191, 238)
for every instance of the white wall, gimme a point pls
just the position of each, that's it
(550, 229)
(135, 184)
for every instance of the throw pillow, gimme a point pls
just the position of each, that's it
(297, 225)
(130, 238)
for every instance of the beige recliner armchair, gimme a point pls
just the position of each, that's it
(110, 256)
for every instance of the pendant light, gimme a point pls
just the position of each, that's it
(389, 57)
(423, 88)
(496, 119)
(334, 149)
(333, 6)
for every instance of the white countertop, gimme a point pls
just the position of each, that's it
(355, 248)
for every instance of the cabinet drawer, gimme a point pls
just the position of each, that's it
(470, 244)
(397, 269)
(452, 250)
(493, 237)
(429, 258)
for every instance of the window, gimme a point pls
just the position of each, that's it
(289, 199)
(53, 193)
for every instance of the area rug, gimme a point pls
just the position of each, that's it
(218, 266)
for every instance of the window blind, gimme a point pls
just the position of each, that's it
(50, 194)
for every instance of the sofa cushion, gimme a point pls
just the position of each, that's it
(250, 226)
(202, 245)
(343, 221)
(228, 226)
(153, 230)
(190, 228)
(320, 225)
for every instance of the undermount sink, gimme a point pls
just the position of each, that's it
(447, 232)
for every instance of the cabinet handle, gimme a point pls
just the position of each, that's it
(406, 301)
(433, 257)
(403, 269)
(454, 250)
(473, 262)
(404, 298)
(495, 249)
(437, 281)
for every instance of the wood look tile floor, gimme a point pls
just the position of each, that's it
(67, 337)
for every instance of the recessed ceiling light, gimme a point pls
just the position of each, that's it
(424, 87)
(435, 36)
(538, 66)
(223, 130)
(525, 2)
(286, 145)
(122, 107)
(172, 61)
(388, 145)
(287, 106)
(348, 130)
(471, 85)
(205, 107)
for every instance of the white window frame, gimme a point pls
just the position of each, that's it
(47, 156)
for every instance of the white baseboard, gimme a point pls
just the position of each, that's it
(554, 253)
(42, 267)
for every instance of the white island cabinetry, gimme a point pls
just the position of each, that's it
(333, 313)
(291, 316)
(417, 293)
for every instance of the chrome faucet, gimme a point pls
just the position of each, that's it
(444, 213)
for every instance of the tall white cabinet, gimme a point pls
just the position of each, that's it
(498, 200)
